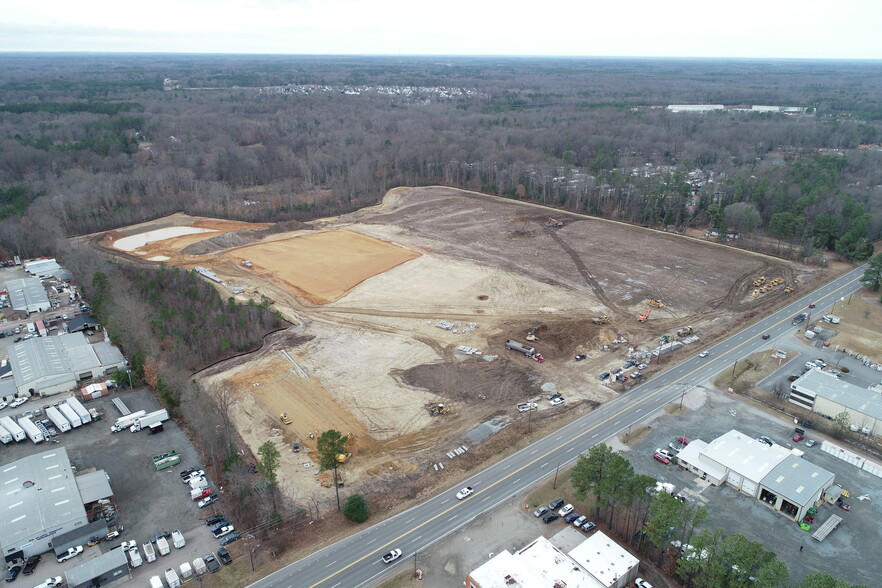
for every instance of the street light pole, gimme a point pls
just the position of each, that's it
(555, 476)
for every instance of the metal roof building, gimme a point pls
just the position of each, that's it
(28, 295)
(794, 486)
(43, 268)
(51, 365)
(827, 395)
(94, 486)
(746, 460)
(40, 500)
(108, 569)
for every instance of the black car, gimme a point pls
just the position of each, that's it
(186, 474)
(552, 516)
(581, 356)
(603, 375)
(766, 336)
(556, 504)
(214, 519)
(224, 556)
(218, 525)
(12, 573)
(211, 562)
(31, 565)
(156, 537)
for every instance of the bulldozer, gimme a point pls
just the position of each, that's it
(343, 457)
(440, 409)
(759, 281)
(685, 331)
(645, 316)
(531, 336)
(600, 320)
(788, 289)
(656, 303)
(286, 420)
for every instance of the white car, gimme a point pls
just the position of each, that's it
(17, 402)
(641, 583)
(72, 552)
(224, 531)
(527, 406)
(667, 453)
(126, 545)
(464, 493)
(704, 354)
(565, 510)
(206, 501)
(391, 556)
(580, 521)
(3, 405)
(641, 366)
(50, 582)
(558, 400)
(193, 474)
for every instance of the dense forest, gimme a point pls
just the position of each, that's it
(93, 142)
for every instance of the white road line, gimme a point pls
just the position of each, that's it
(559, 438)
(417, 539)
(454, 516)
(594, 435)
(330, 564)
(535, 451)
(570, 449)
(371, 541)
(410, 520)
(544, 464)
(616, 423)
(516, 481)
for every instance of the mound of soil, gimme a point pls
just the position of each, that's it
(473, 380)
(242, 238)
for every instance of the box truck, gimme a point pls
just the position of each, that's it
(199, 566)
(124, 422)
(54, 415)
(156, 582)
(162, 546)
(149, 553)
(12, 427)
(148, 419)
(135, 557)
(70, 414)
(80, 409)
(31, 430)
(5, 436)
(171, 577)
(178, 539)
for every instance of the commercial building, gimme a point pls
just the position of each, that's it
(596, 562)
(108, 569)
(46, 268)
(52, 365)
(778, 476)
(827, 395)
(82, 322)
(28, 295)
(42, 502)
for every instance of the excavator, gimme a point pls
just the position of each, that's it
(643, 317)
(531, 336)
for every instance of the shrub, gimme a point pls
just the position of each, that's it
(356, 509)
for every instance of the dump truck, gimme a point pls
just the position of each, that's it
(156, 582)
(70, 414)
(148, 419)
(171, 578)
(286, 420)
(162, 546)
(199, 566)
(12, 428)
(135, 557)
(54, 415)
(124, 422)
(31, 430)
(186, 570)
(85, 415)
(149, 552)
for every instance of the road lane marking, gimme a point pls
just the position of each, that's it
(330, 564)
(544, 464)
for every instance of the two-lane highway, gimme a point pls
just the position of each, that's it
(356, 560)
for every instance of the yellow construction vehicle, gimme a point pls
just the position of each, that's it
(553, 222)
(759, 281)
(600, 320)
(343, 457)
(788, 289)
(685, 331)
(440, 409)
(286, 420)
(643, 317)
(657, 303)
(531, 336)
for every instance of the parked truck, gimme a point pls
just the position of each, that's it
(149, 552)
(70, 414)
(5, 436)
(171, 578)
(135, 557)
(521, 348)
(148, 419)
(54, 415)
(31, 430)
(199, 566)
(10, 425)
(178, 539)
(186, 571)
(124, 422)
(156, 582)
(84, 414)
(162, 546)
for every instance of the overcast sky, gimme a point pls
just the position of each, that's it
(672, 28)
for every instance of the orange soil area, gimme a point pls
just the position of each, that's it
(323, 267)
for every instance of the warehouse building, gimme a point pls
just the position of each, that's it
(52, 365)
(778, 476)
(41, 502)
(108, 569)
(28, 295)
(828, 396)
(46, 268)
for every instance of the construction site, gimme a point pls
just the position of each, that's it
(402, 316)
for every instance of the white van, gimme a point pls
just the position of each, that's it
(32, 328)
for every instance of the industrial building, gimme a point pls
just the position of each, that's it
(46, 268)
(596, 562)
(28, 295)
(82, 322)
(52, 365)
(108, 569)
(827, 395)
(778, 476)
(42, 501)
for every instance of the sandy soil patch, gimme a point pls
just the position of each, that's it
(322, 267)
(159, 258)
(858, 330)
(134, 242)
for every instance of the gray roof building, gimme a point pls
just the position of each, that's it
(40, 500)
(94, 486)
(28, 295)
(799, 481)
(825, 394)
(81, 322)
(42, 268)
(107, 569)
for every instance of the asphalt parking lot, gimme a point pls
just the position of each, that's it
(850, 552)
(149, 501)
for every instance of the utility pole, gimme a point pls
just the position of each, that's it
(555, 476)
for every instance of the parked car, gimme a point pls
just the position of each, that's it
(31, 565)
(797, 437)
(126, 545)
(231, 538)
(540, 511)
(161, 534)
(550, 517)
(211, 562)
(17, 402)
(3, 405)
(603, 375)
(12, 573)
(552, 395)
(565, 510)
(203, 494)
(667, 453)
(214, 519)
(224, 556)
(766, 440)
(587, 526)
(558, 400)
(630, 363)
(221, 531)
(51, 582)
(464, 493)
(641, 366)
(556, 504)
(810, 443)
(635, 375)
(683, 440)
(391, 556)
(191, 473)
(571, 517)
(581, 356)
(662, 458)
(218, 525)
(206, 501)
(71, 553)
(641, 583)
(580, 521)
(527, 406)
(617, 371)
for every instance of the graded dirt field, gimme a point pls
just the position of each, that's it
(402, 306)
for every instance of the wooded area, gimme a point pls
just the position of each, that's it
(92, 142)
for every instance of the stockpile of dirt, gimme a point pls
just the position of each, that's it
(242, 238)
(473, 380)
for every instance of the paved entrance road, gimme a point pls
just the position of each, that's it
(355, 561)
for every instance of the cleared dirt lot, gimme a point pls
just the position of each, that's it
(368, 291)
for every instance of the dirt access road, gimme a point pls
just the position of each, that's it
(367, 291)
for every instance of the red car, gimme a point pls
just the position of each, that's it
(798, 437)
(812, 305)
(203, 494)
(682, 440)
(662, 458)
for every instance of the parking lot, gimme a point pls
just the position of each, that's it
(148, 501)
(850, 552)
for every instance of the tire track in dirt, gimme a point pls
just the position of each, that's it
(583, 271)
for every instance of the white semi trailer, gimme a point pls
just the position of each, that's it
(54, 415)
(31, 430)
(84, 415)
(70, 414)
